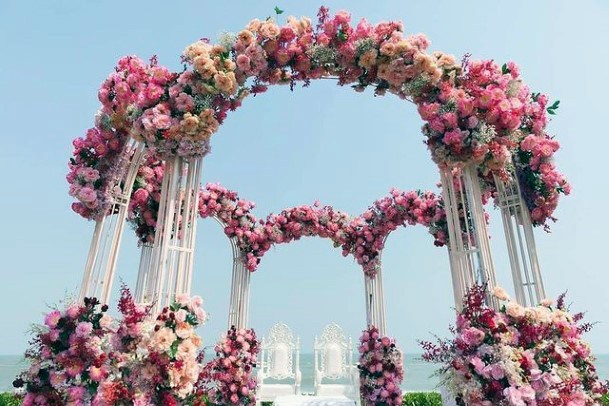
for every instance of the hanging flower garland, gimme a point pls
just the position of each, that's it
(517, 355)
(372, 228)
(475, 112)
(363, 236)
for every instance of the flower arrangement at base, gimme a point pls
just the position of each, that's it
(81, 356)
(68, 356)
(381, 369)
(517, 355)
(228, 379)
(159, 365)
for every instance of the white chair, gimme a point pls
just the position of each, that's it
(334, 361)
(279, 359)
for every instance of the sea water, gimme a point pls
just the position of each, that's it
(418, 374)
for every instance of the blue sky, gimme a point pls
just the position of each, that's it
(288, 148)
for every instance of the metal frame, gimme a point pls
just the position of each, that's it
(520, 240)
(469, 248)
(105, 245)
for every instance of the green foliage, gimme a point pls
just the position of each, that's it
(552, 109)
(422, 399)
(278, 10)
(605, 400)
(8, 399)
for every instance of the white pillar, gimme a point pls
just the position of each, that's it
(143, 274)
(105, 244)
(172, 256)
(375, 302)
(520, 240)
(469, 249)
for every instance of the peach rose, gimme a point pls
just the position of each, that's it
(368, 59)
(189, 123)
(226, 82)
(513, 309)
(245, 37)
(500, 293)
(186, 350)
(269, 30)
(254, 25)
(163, 339)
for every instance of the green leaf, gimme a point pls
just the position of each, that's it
(504, 69)
(173, 350)
(278, 10)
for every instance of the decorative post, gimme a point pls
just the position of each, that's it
(469, 248)
(105, 245)
(239, 299)
(171, 264)
(143, 274)
(520, 240)
(375, 303)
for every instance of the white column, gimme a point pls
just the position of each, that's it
(375, 302)
(172, 255)
(520, 240)
(143, 275)
(469, 249)
(105, 245)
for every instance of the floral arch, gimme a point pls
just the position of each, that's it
(483, 126)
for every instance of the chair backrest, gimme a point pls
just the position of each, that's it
(333, 353)
(278, 353)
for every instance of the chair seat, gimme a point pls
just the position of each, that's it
(269, 392)
(313, 401)
(334, 390)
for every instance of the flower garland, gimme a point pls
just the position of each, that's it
(381, 369)
(239, 222)
(363, 236)
(475, 112)
(517, 355)
(229, 379)
(387, 214)
(82, 356)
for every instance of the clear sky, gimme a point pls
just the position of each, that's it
(283, 149)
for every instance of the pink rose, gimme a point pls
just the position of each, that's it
(51, 319)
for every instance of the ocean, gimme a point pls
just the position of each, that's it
(418, 374)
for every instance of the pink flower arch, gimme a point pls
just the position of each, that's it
(474, 112)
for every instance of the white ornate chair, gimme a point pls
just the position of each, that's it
(279, 360)
(333, 362)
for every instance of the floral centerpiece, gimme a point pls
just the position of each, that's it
(517, 355)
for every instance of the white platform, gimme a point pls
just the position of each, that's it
(304, 400)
